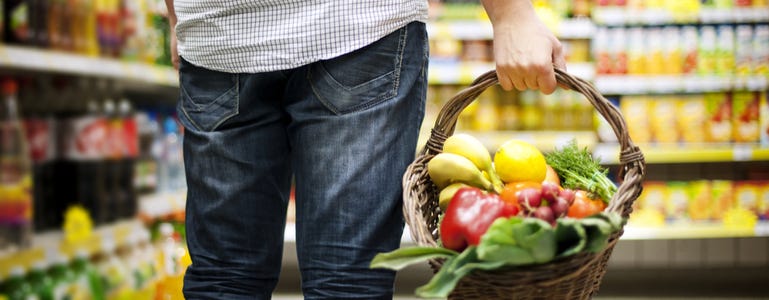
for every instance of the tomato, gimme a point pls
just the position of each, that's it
(552, 176)
(585, 206)
(510, 192)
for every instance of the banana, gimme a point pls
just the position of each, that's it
(471, 148)
(446, 194)
(447, 168)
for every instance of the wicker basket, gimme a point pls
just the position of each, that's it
(575, 277)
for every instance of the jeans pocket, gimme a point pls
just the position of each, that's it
(208, 98)
(362, 78)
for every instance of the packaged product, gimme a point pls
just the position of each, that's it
(743, 50)
(663, 120)
(699, 200)
(654, 197)
(745, 116)
(619, 51)
(747, 195)
(636, 111)
(764, 116)
(689, 38)
(655, 56)
(677, 200)
(690, 115)
(761, 50)
(722, 198)
(637, 52)
(718, 127)
(706, 59)
(763, 200)
(672, 50)
(725, 50)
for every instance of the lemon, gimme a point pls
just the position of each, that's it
(517, 160)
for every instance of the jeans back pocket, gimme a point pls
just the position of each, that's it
(208, 98)
(362, 78)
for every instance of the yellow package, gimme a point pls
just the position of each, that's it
(722, 198)
(655, 196)
(699, 200)
(718, 126)
(635, 109)
(747, 195)
(690, 117)
(677, 200)
(764, 118)
(763, 199)
(745, 117)
(663, 120)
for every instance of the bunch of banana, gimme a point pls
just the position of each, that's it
(464, 161)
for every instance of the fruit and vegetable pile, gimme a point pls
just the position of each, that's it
(521, 208)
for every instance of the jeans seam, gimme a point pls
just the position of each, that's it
(224, 118)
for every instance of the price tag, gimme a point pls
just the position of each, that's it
(742, 153)
(762, 229)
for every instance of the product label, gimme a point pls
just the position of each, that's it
(85, 138)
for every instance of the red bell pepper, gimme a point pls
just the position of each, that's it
(468, 216)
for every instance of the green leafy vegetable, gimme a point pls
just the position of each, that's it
(403, 257)
(579, 170)
(518, 241)
(571, 237)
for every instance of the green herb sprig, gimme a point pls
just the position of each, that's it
(579, 170)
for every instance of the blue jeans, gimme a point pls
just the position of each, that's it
(343, 129)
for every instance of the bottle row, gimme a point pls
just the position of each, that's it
(704, 200)
(133, 30)
(681, 11)
(79, 143)
(451, 49)
(734, 117)
(496, 109)
(142, 268)
(723, 50)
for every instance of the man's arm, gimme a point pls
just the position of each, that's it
(525, 50)
(172, 25)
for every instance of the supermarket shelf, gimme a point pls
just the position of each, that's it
(694, 231)
(481, 29)
(692, 153)
(665, 84)
(544, 140)
(52, 243)
(33, 59)
(617, 16)
(453, 72)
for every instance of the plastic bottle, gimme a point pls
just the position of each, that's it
(172, 178)
(16, 21)
(15, 174)
(130, 151)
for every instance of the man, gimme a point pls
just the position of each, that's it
(330, 94)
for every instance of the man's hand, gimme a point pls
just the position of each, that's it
(525, 50)
(172, 25)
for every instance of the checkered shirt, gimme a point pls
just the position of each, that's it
(252, 36)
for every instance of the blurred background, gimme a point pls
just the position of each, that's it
(92, 188)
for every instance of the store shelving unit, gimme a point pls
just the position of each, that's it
(57, 62)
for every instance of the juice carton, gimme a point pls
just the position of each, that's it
(725, 50)
(690, 49)
(761, 50)
(745, 116)
(699, 200)
(690, 115)
(663, 120)
(718, 126)
(764, 118)
(763, 200)
(706, 59)
(654, 197)
(722, 198)
(637, 52)
(743, 50)
(655, 57)
(672, 50)
(677, 200)
(747, 195)
(636, 111)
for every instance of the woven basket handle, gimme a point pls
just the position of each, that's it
(632, 164)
